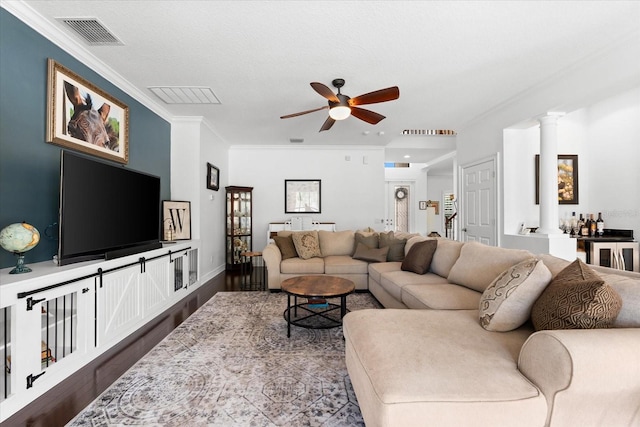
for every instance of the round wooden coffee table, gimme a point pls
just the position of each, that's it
(317, 314)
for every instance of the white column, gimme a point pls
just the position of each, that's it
(549, 220)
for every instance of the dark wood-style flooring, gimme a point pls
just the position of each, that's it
(63, 402)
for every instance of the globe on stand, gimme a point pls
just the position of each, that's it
(19, 238)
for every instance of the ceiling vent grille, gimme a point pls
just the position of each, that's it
(92, 31)
(185, 94)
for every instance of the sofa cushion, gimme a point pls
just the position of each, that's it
(286, 246)
(396, 246)
(445, 256)
(368, 254)
(418, 259)
(307, 244)
(344, 264)
(478, 264)
(376, 269)
(402, 370)
(439, 296)
(394, 281)
(302, 266)
(506, 304)
(627, 288)
(369, 239)
(336, 242)
(577, 298)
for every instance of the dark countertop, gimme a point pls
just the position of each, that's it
(606, 239)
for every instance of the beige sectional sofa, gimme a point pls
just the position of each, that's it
(427, 360)
(335, 258)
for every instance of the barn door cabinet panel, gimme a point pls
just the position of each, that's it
(239, 225)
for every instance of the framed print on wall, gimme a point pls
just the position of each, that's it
(567, 179)
(176, 220)
(302, 196)
(83, 117)
(213, 177)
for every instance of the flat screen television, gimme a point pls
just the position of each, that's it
(106, 211)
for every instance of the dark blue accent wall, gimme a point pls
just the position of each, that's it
(29, 167)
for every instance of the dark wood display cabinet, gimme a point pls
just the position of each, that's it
(239, 225)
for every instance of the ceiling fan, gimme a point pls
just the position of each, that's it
(341, 106)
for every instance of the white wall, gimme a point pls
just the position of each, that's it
(352, 192)
(571, 90)
(604, 136)
(193, 145)
(613, 177)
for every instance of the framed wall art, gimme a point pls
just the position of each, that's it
(83, 117)
(302, 196)
(213, 177)
(567, 179)
(176, 220)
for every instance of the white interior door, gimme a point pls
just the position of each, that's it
(479, 202)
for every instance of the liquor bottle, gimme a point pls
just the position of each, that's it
(584, 226)
(600, 225)
(592, 226)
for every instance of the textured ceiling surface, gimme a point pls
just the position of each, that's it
(452, 60)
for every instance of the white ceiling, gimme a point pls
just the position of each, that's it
(452, 60)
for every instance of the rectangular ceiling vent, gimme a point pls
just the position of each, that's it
(92, 31)
(185, 94)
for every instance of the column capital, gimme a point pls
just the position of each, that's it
(550, 117)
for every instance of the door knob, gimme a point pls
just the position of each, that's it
(464, 229)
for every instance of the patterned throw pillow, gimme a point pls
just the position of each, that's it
(365, 253)
(577, 298)
(286, 246)
(419, 257)
(506, 304)
(396, 246)
(307, 244)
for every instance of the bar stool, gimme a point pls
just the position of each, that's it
(253, 271)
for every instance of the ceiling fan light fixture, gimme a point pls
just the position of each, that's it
(339, 112)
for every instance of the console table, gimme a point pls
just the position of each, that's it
(274, 227)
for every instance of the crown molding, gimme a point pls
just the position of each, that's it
(38, 23)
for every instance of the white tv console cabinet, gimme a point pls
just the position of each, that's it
(55, 320)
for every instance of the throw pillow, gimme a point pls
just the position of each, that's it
(419, 257)
(396, 246)
(506, 304)
(286, 246)
(577, 298)
(365, 253)
(307, 244)
(368, 239)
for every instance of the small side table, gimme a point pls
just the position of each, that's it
(253, 271)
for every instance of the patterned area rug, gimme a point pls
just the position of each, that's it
(231, 364)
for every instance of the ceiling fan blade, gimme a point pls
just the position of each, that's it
(288, 116)
(327, 124)
(325, 91)
(366, 115)
(382, 95)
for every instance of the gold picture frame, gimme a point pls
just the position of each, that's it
(83, 117)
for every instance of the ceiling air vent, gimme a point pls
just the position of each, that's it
(185, 94)
(92, 31)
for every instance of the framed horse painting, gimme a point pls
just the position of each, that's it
(83, 117)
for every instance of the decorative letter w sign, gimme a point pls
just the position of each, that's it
(176, 218)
